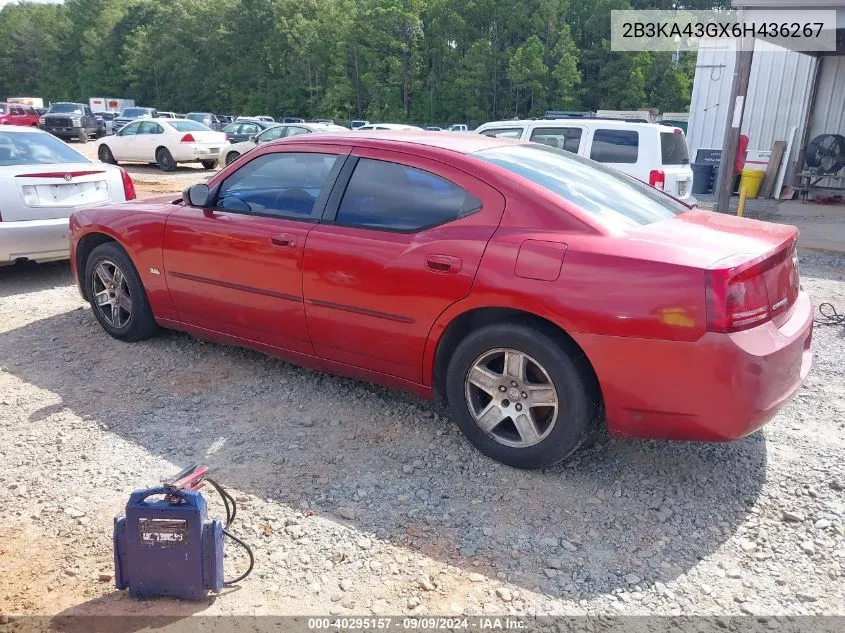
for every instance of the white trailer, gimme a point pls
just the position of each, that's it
(33, 102)
(110, 104)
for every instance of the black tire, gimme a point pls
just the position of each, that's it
(231, 157)
(100, 133)
(105, 155)
(140, 323)
(82, 137)
(579, 402)
(209, 164)
(164, 159)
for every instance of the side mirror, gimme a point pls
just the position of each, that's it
(196, 195)
(253, 138)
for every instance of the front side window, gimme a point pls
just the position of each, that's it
(614, 199)
(511, 132)
(568, 138)
(388, 196)
(615, 146)
(272, 134)
(281, 184)
(295, 130)
(148, 127)
(130, 130)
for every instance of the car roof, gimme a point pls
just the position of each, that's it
(611, 123)
(387, 139)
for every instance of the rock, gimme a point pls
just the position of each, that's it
(836, 484)
(375, 565)
(632, 579)
(793, 517)
(806, 596)
(73, 513)
(413, 602)
(554, 563)
(426, 584)
(504, 594)
(379, 606)
(346, 513)
(104, 577)
(549, 542)
(550, 573)
(345, 584)
(407, 469)
(733, 573)
(364, 543)
(808, 548)
(476, 577)
(821, 524)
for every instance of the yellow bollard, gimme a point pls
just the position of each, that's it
(743, 193)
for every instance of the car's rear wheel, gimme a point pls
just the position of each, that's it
(105, 155)
(164, 159)
(82, 137)
(117, 295)
(209, 164)
(231, 157)
(520, 396)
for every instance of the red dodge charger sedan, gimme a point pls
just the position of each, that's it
(540, 293)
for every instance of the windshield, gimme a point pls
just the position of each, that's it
(611, 197)
(35, 148)
(673, 148)
(65, 108)
(134, 113)
(186, 125)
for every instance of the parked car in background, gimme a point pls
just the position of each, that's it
(208, 119)
(43, 181)
(108, 120)
(388, 126)
(354, 125)
(131, 114)
(326, 121)
(225, 119)
(180, 116)
(166, 115)
(41, 111)
(166, 142)
(72, 121)
(232, 152)
(16, 114)
(433, 128)
(656, 154)
(243, 130)
(292, 119)
(458, 127)
(269, 119)
(512, 278)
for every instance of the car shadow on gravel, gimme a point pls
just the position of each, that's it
(392, 467)
(26, 277)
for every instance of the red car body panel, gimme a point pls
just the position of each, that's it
(375, 304)
(23, 119)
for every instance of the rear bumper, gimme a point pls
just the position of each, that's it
(721, 387)
(191, 153)
(36, 240)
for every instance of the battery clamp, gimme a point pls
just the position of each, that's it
(169, 546)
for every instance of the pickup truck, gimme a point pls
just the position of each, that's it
(72, 121)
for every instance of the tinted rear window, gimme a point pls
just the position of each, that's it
(673, 149)
(611, 197)
(187, 125)
(615, 146)
(35, 148)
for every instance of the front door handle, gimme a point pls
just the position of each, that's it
(443, 263)
(283, 239)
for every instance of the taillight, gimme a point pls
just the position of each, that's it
(657, 178)
(188, 138)
(128, 185)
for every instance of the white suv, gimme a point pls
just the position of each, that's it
(656, 154)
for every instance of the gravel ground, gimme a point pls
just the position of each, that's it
(362, 500)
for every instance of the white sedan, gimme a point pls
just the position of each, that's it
(43, 181)
(165, 142)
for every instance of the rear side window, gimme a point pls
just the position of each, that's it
(673, 149)
(511, 132)
(392, 197)
(615, 146)
(283, 184)
(568, 138)
(187, 125)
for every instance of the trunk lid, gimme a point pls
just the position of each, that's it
(44, 192)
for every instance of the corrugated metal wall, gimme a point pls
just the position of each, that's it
(778, 96)
(829, 113)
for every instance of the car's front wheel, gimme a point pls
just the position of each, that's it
(117, 295)
(164, 159)
(231, 157)
(105, 155)
(521, 396)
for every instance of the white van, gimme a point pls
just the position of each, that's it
(656, 154)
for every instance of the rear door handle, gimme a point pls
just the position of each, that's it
(283, 239)
(443, 263)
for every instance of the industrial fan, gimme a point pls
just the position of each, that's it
(826, 153)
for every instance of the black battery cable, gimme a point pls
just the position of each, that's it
(829, 315)
(231, 513)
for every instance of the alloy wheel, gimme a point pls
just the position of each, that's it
(111, 293)
(511, 397)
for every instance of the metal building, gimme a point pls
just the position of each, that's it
(785, 90)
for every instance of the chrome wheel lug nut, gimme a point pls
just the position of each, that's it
(518, 407)
(502, 388)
